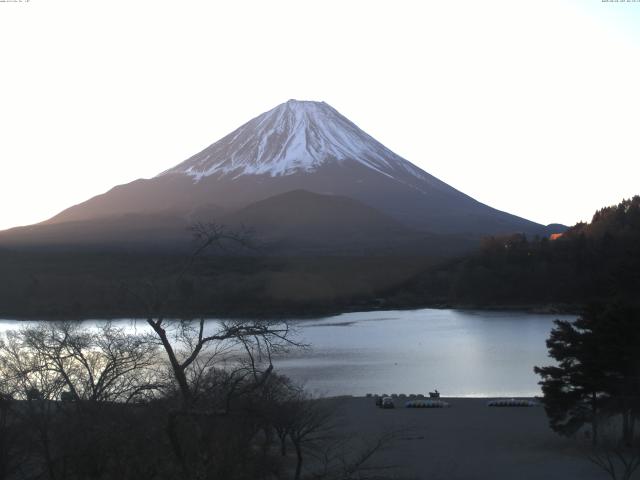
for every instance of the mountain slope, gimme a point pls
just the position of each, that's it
(297, 146)
(294, 223)
(311, 214)
(303, 221)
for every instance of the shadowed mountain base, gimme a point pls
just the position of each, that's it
(82, 285)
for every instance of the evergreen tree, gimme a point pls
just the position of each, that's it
(598, 371)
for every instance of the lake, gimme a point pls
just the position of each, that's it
(462, 353)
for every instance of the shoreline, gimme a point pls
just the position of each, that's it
(426, 397)
(468, 440)
(543, 309)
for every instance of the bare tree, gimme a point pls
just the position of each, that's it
(45, 365)
(310, 426)
(101, 364)
(186, 343)
(618, 456)
(13, 453)
(26, 377)
(196, 351)
(342, 460)
(619, 462)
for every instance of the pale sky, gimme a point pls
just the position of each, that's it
(532, 107)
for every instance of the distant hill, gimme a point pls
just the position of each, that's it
(589, 262)
(301, 222)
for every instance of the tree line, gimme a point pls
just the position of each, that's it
(596, 261)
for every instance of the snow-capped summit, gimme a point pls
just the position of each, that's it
(294, 137)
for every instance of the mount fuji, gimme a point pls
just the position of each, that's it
(293, 171)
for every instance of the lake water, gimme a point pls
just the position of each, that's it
(459, 352)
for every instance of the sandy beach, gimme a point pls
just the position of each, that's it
(469, 440)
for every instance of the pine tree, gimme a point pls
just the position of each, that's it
(598, 371)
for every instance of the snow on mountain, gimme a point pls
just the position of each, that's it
(297, 146)
(294, 137)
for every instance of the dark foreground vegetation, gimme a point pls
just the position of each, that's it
(176, 402)
(593, 390)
